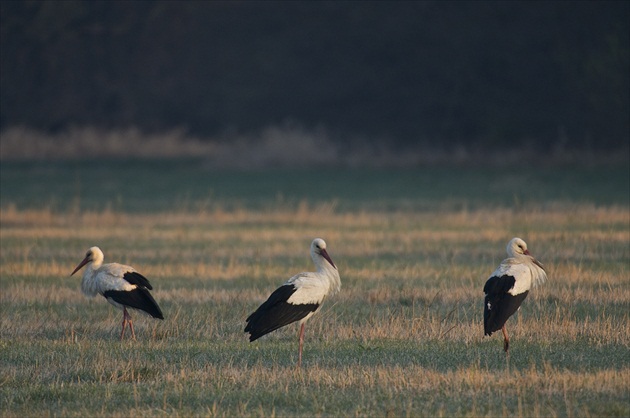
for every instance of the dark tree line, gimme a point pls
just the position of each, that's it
(434, 72)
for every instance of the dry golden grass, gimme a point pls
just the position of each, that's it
(403, 338)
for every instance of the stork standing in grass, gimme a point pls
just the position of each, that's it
(297, 299)
(121, 285)
(508, 287)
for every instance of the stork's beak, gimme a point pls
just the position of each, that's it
(81, 264)
(526, 252)
(327, 257)
(538, 263)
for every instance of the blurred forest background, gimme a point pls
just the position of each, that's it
(435, 75)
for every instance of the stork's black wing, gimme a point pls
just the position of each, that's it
(276, 312)
(138, 298)
(138, 279)
(499, 305)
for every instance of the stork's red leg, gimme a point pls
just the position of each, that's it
(122, 333)
(506, 340)
(301, 343)
(127, 319)
(133, 334)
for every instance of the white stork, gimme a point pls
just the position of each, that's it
(297, 299)
(508, 286)
(121, 285)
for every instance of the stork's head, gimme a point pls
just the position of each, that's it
(517, 247)
(318, 249)
(93, 255)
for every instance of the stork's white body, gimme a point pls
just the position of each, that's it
(315, 287)
(99, 278)
(527, 274)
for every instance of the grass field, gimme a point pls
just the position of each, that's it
(403, 337)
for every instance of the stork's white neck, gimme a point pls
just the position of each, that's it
(95, 265)
(331, 274)
(539, 276)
